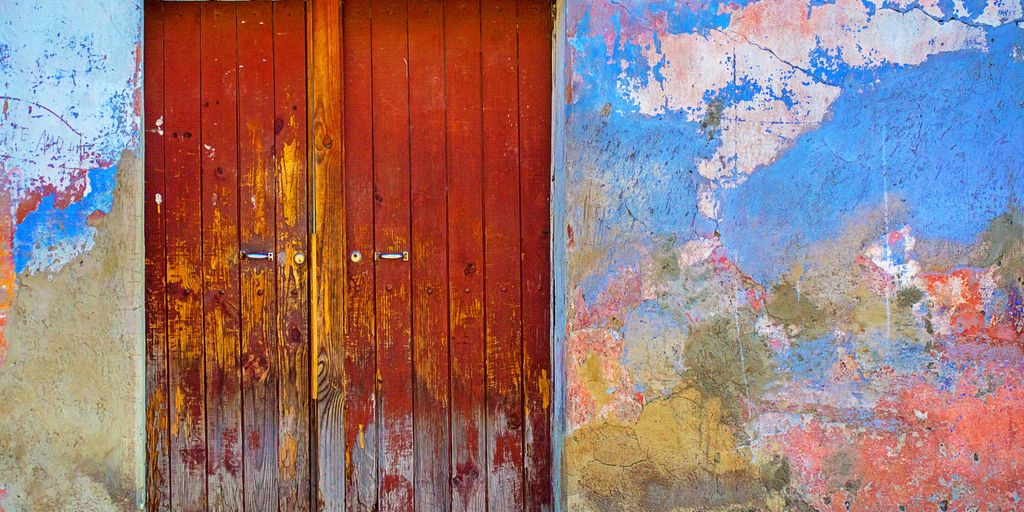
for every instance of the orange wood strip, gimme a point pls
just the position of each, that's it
(292, 250)
(360, 341)
(465, 246)
(502, 257)
(329, 250)
(158, 471)
(430, 254)
(391, 235)
(535, 179)
(257, 235)
(219, 163)
(184, 257)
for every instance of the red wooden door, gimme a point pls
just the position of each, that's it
(441, 400)
(226, 238)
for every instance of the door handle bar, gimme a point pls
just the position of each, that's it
(258, 255)
(404, 256)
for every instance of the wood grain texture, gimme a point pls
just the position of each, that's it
(257, 234)
(431, 133)
(184, 258)
(328, 250)
(219, 83)
(158, 471)
(466, 258)
(502, 258)
(292, 275)
(430, 254)
(391, 212)
(360, 341)
(535, 180)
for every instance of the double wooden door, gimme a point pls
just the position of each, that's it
(441, 396)
(410, 262)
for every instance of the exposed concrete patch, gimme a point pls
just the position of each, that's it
(69, 429)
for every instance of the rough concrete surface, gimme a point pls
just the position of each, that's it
(70, 436)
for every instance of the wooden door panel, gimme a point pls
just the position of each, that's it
(391, 235)
(226, 177)
(502, 257)
(360, 365)
(158, 471)
(534, 36)
(430, 249)
(259, 300)
(219, 86)
(465, 253)
(183, 201)
(446, 371)
(293, 441)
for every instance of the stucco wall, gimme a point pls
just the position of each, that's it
(70, 255)
(790, 270)
(794, 255)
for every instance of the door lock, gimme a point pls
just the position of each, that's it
(356, 256)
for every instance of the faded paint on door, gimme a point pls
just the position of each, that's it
(442, 359)
(227, 336)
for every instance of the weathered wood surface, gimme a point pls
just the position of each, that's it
(535, 26)
(158, 472)
(391, 214)
(329, 249)
(360, 365)
(430, 254)
(229, 89)
(466, 254)
(430, 132)
(260, 372)
(219, 86)
(184, 258)
(293, 443)
(502, 257)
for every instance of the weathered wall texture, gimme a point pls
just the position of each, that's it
(795, 255)
(70, 258)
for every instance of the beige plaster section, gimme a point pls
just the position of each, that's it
(70, 392)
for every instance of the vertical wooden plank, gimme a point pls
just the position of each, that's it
(257, 235)
(360, 367)
(184, 258)
(502, 256)
(535, 180)
(329, 258)
(430, 254)
(219, 92)
(292, 272)
(465, 248)
(158, 472)
(391, 235)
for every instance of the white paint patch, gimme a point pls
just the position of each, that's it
(770, 44)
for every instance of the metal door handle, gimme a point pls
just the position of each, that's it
(404, 256)
(258, 255)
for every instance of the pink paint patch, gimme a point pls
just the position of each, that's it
(925, 447)
(94, 217)
(617, 399)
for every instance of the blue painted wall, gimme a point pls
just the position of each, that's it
(792, 254)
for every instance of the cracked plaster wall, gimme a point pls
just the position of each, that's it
(792, 272)
(71, 319)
